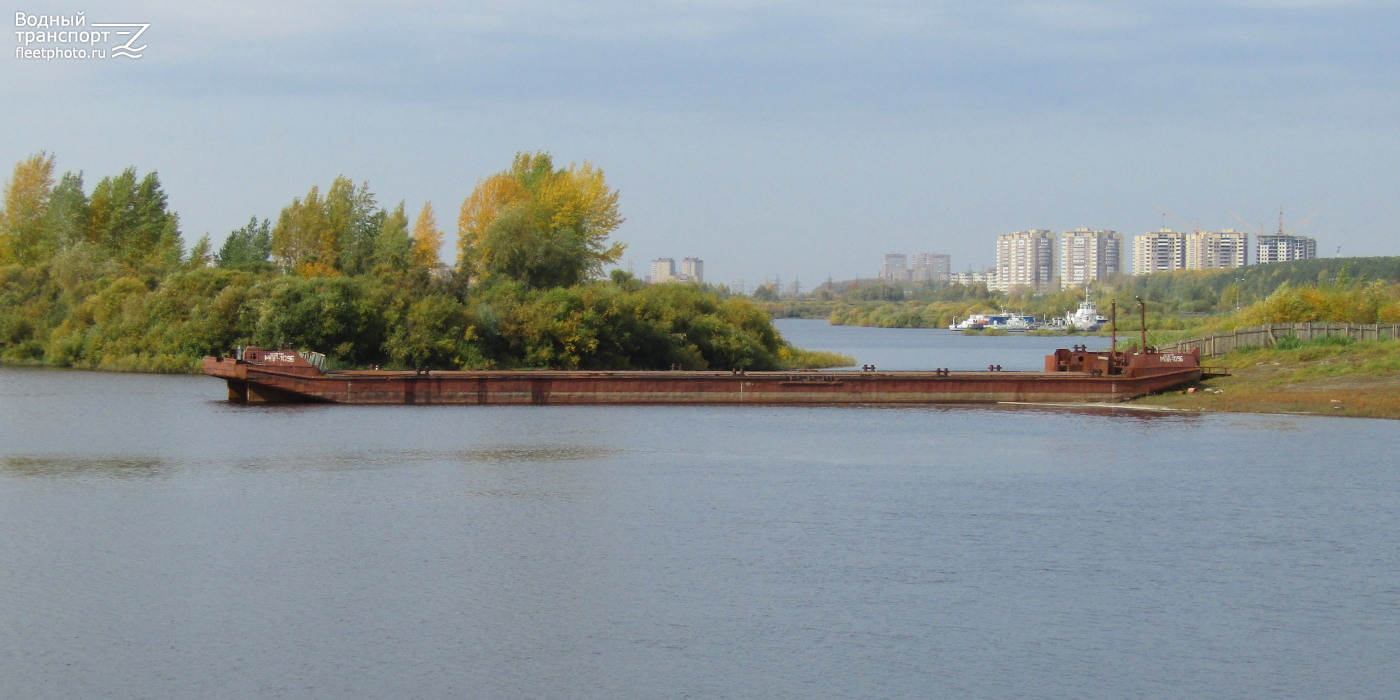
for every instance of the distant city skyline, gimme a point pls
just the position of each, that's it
(1223, 248)
(1036, 259)
(664, 270)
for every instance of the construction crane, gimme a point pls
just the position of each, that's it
(1194, 228)
(1259, 230)
(1296, 226)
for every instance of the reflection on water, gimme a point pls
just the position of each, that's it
(1262, 423)
(1120, 412)
(82, 467)
(500, 454)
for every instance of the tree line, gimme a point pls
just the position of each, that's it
(1357, 290)
(104, 280)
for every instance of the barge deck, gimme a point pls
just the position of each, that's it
(254, 375)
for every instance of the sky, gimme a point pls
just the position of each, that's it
(774, 139)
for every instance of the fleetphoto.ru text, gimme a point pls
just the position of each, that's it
(49, 37)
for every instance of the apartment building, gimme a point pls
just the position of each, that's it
(1216, 249)
(987, 277)
(1159, 251)
(896, 267)
(1087, 255)
(692, 270)
(1026, 258)
(930, 267)
(662, 270)
(1278, 247)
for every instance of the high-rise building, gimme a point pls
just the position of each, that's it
(931, 267)
(987, 277)
(1212, 249)
(1026, 258)
(1087, 255)
(1159, 251)
(663, 270)
(693, 270)
(1278, 247)
(896, 268)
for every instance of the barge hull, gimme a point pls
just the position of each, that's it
(260, 383)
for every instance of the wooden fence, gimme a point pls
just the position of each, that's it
(1267, 336)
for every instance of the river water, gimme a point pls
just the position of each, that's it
(158, 542)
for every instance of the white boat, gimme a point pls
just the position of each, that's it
(975, 322)
(1086, 317)
(1004, 321)
(1016, 323)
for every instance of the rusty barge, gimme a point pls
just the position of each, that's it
(255, 375)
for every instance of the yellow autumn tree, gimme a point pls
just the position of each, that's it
(579, 200)
(298, 238)
(492, 196)
(542, 226)
(22, 232)
(426, 240)
(331, 234)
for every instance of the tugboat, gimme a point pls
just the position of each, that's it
(1086, 317)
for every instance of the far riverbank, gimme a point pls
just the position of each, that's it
(1332, 377)
(1360, 379)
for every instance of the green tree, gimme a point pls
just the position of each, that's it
(542, 226)
(299, 241)
(355, 225)
(340, 316)
(430, 335)
(128, 218)
(68, 216)
(202, 254)
(393, 247)
(766, 292)
(331, 234)
(625, 280)
(247, 248)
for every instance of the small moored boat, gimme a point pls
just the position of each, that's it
(1004, 321)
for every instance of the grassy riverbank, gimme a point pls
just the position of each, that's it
(1327, 376)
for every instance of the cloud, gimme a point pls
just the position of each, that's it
(1307, 4)
(771, 59)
